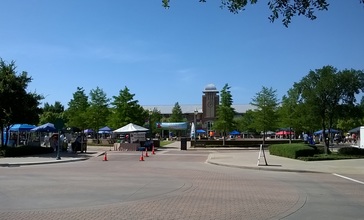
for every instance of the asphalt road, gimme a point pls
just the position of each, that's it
(172, 185)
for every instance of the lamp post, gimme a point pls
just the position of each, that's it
(194, 121)
(150, 124)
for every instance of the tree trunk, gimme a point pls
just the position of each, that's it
(290, 135)
(223, 138)
(326, 140)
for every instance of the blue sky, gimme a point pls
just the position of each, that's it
(166, 56)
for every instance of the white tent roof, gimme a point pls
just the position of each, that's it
(130, 128)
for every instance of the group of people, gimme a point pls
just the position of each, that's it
(54, 143)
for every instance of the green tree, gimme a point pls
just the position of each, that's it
(16, 105)
(77, 110)
(225, 113)
(245, 122)
(98, 111)
(176, 115)
(293, 114)
(326, 92)
(154, 117)
(51, 113)
(285, 8)
(265, 114)
(126, 110)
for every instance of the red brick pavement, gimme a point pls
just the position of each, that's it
(210, 192)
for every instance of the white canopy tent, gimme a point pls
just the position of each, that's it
(130, 128)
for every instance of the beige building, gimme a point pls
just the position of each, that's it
(205, 112)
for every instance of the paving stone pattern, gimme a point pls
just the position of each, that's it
(208, 193)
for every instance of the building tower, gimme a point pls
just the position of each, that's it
(210, 101)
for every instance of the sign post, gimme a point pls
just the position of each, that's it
(262, 154)
(58, 124)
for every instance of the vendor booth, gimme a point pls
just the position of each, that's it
(134, 137)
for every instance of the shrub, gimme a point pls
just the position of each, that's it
(351, 151)
(292, 150)
(24, 151)
(320, 149)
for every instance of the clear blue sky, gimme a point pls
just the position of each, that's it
(166, 56)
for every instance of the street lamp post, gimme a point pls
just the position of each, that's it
(150, 124)
(194, 121)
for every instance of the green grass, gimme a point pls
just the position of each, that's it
(164, 143)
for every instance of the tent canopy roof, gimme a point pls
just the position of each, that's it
(21, 127)
(106, 128)
(130, 128)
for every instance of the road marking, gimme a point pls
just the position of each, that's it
(348, 178)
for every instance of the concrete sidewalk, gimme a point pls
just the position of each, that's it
(247, 159)
(49, 158)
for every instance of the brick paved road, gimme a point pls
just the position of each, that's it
(172, 185)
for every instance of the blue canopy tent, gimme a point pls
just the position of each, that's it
(235, 132)
(18, 128)
(200, 131)
(48, 127)
(21, 127)
(105, 130)
(332, 131)
(88, 131)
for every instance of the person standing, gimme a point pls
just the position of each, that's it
(54, 142)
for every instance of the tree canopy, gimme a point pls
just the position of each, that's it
(51, 113)
(16, 105)
(326, 92)
(265, 115)
(77, 109)
(176, 115)
(98, 111)
(285, 8)
(225, 112)
(126, 110)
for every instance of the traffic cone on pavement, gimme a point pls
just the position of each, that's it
(105, 156)
(153, 152)
(141, 157)
(146, 152)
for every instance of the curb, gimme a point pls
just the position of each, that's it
(18, 164)
(264, 168)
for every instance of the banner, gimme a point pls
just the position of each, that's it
(172, 125)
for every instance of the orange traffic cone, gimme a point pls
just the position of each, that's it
(141, 157)
(146, 152)
(153, 152)
(105, 156)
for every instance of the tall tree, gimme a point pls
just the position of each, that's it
(285, 8)
(98, 112)
(126, 110)
(327, 91)
(51, 113)
(294, 115)
(225, 113)
(154, 117)
(77, 110)
(265, 114)
(245, 122)
(176, 115)
(13, 94)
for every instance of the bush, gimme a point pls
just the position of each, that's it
(292, 150)
(24, 151)
(351, 151)
(320, 149)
